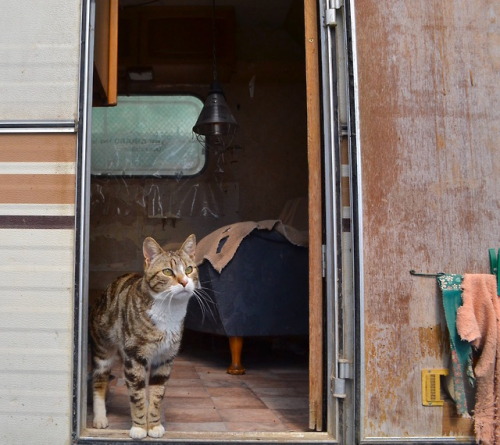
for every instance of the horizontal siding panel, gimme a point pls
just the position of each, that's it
(37, 148)
(50, 297)
(39, 67)
(38, 381)
(37, 254)
(19, 360)
(45, 275)
(37, 404)
(42, 392)
(33, 319)
(37, 189)
(28, 240)
(36, 332)
(46, 337)
(46, 428)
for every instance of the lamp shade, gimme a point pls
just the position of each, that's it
(215, 118)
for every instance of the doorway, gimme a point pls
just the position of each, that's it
(267, 168)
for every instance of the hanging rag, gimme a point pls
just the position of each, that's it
(460, 350)
(478, 323)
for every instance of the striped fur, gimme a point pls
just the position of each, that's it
(140, 320)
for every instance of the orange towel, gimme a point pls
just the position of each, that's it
(478, 322)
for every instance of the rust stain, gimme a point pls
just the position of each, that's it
(431, 341)
(453, 424)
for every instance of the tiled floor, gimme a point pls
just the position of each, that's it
(271, 397)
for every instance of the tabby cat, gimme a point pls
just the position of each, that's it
(140, 319)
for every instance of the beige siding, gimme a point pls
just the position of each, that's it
(36, 320)
(429, 126)
(39, 53)
(37, 260)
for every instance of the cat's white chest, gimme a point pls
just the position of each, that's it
(168, 311)
(167, 317)
(170, 323)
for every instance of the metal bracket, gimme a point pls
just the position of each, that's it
(331, 12)
(338, 384)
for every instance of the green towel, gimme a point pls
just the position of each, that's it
(461, 351)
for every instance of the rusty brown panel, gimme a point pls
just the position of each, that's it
(38, 148)
(429, 124)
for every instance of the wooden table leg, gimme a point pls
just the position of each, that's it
(235, 345)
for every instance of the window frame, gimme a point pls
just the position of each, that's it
(178, 173)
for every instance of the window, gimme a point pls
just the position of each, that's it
(147, 136)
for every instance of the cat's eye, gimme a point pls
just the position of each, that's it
(168, 272)
(189, 269)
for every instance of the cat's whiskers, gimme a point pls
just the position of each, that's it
(204, 301)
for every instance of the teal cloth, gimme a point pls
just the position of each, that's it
(461, 350)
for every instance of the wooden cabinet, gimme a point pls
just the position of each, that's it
(176, 43)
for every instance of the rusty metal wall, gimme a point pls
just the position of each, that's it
(429, 89)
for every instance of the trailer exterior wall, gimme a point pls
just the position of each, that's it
(429, 76)
(39, 81)
(37, 280)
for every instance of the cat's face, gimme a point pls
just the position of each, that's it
(171, 273)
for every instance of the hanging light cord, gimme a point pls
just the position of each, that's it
(214, 56)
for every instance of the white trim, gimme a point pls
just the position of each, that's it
(37, 209)
(37, 168)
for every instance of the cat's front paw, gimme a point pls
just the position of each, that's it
(136, 432)
(156, 431)
(100, 422)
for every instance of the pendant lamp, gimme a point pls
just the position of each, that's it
(216, 125)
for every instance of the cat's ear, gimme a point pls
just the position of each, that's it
(150, 249)
(189, 246)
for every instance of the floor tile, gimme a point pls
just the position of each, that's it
(230, 392)
(186, 391)
(286, 391)
(286, 402)
(257, 415)
(173, 403)
(185, 383)
(227, 402)
(195, 415)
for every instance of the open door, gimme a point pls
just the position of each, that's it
(314, 151)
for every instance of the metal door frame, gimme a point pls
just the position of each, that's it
(338, 416)
(343, 265)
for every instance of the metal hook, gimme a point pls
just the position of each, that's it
(412, 272)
